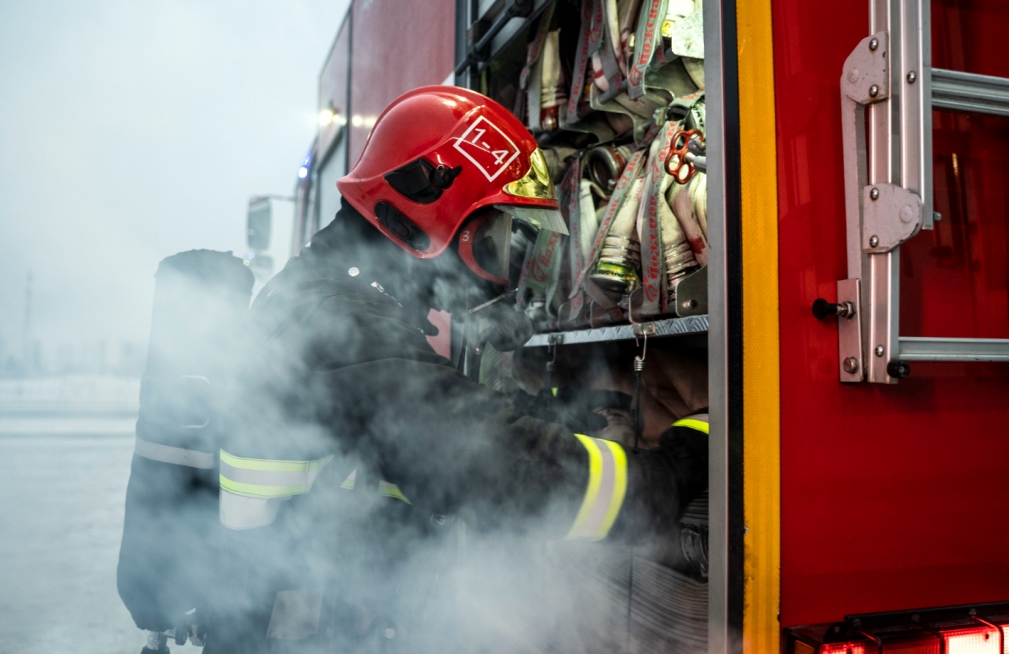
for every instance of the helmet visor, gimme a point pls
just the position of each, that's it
(494, 246)
(539, 217)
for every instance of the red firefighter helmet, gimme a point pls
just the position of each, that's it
(440, 154)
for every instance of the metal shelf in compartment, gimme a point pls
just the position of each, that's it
(655, 329)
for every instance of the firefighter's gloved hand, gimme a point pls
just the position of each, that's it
(576, 409)
(509, 329)
(619, 426)
(585, 407)
(588, 411)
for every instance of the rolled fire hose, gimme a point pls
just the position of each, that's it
(620, 257)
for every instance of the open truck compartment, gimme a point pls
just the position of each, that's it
(722, 166)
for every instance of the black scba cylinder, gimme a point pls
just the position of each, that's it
(166, 559)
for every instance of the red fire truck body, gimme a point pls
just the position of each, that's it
(829, 498)
(890, 494)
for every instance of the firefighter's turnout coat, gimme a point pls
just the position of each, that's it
(351, 447)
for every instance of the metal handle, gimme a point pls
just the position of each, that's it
(823, 309)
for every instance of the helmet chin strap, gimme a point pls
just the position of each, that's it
(488, 303)
(509, 328)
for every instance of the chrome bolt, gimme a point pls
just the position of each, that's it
(873, 241)
(873, 44)
(873, 91)
(850, 365)
(354, 271)
(879, 350)
(874, 194)
(911, 77)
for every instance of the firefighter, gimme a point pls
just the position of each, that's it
(352, 441)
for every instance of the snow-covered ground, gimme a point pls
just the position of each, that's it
(48, 425)
(60, 524)
(69, 394)
(66, 445)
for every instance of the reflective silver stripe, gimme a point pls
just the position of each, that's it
(175, 455)
(296, 614)
(348, 483)
(607, 478)
(241, 512)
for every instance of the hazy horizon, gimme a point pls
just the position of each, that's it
(132, 131)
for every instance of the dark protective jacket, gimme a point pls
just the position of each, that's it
(343, 393)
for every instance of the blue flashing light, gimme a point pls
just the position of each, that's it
(306, 163)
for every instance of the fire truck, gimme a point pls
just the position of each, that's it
(842, 279)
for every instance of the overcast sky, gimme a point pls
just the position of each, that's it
(130, 131)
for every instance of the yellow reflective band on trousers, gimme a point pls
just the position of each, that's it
(265, 478)
(605, 492)
(698, 422)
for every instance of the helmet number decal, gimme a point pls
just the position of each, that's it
(487, 147)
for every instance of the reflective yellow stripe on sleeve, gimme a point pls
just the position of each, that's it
(605, 492)
(698, 422)
(265, 478)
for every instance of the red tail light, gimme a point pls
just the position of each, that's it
(914, 645)
(843, 648)
(962, 634)
(974, 640)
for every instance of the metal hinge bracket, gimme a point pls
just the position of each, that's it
(866, 78)
(849, 331)
(890, 215)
